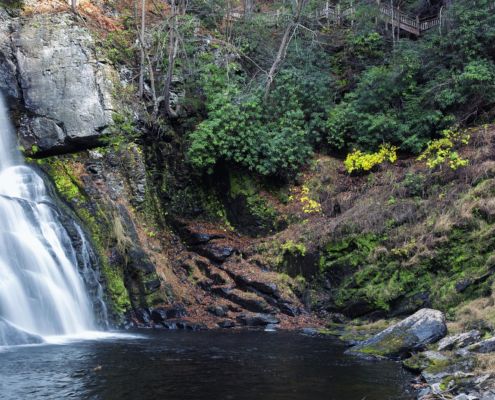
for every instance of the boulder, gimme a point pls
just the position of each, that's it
(11, 335)
(227, 323)
(257, 319)
(65, 87)
(216, 252)
(219, 311)
(161, 314)
(459, 341)
(411, 334)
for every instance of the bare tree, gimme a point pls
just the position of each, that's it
(284, 44)
(178, 8)
(248, 7)
(141, 40)
(73, 6)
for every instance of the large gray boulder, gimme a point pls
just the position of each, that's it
(50, 64)
(411, 334)
(10, 335)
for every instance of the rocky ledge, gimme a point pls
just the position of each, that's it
(458, 366)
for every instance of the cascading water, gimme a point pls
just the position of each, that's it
(42, 292)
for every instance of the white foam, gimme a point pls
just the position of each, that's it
(90, 335)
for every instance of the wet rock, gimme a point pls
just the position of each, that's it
(227, 323)
(190, 326)
(459, 341)
(271, 328)
(219, 311)
(289, 309)
(216, 252)
(182, 324)
(412, 334)
(160, 314)
(143, 315)
(310, 331)
(257, 319)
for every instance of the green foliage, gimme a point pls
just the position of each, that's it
(118, 46)
(357, 161)
(264, 216)
(350, 252)
(241, 130)
(293, 248)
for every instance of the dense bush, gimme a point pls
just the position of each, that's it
(358, 93)
(240, 128)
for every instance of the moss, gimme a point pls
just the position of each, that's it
(64, 178)
(11, 4)
(350, 252)
(294, 248)
(63, 172)
(244, 191)
(391, 345)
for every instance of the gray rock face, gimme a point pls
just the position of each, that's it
(8, 69)
(49, 63)
(10, 335)
(459, 341)
(413, 333)
(485, 346)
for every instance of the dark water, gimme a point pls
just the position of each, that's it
(198, 365)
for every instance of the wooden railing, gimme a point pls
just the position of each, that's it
(393, 15)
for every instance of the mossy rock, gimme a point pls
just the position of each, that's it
(411, 334)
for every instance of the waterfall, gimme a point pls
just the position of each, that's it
(42, 292)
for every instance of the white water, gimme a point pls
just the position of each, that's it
(41, 289)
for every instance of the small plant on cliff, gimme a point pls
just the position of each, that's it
(443, 151)
(357, 161)
(293, 248)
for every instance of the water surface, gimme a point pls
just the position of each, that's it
(198, 365)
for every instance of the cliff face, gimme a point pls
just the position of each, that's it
(50, 66)
(158, 267)
(226, 247)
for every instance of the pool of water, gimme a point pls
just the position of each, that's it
(214, 365)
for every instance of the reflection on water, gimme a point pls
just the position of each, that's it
(198, 365)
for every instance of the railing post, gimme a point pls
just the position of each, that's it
(352, 13)
(399, 21)
(440, 15)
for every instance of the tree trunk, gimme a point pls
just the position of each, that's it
(73, 6)
(141, 40)
(248, 7)
(173, 44)
(282, 50)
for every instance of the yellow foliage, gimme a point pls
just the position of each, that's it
(442, 151)
(358, 161)
(309, 205)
